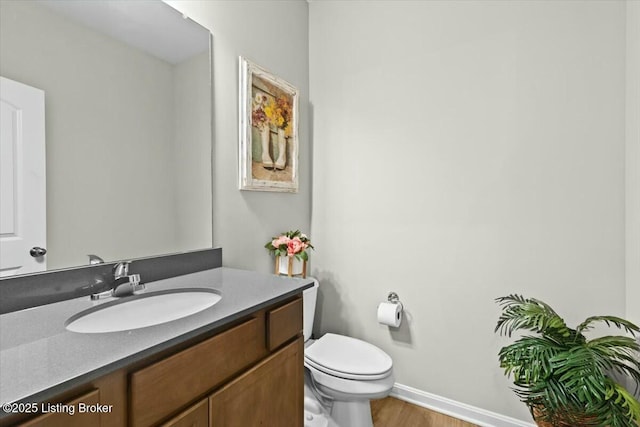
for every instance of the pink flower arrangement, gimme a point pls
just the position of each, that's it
(290, 243)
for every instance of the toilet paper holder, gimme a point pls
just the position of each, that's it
(394, 298)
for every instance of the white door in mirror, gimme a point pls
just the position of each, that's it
(23, 212)
(143, 311)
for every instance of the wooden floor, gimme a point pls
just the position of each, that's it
(391, 412)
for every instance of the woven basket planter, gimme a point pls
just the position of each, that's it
(574, 420)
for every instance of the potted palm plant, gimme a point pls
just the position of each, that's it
(565, 378)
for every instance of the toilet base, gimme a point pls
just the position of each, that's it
(315, 414)
(353, 414)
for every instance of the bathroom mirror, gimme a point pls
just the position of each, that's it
(127, 102)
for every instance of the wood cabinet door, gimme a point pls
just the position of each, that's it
(69, 414)
(269, 394)
(195, 416)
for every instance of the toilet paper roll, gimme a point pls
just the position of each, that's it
(390, 313)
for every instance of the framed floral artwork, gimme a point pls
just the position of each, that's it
(268, 131)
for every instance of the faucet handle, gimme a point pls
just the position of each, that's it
(121, 269)
(132, 285)
(134, 280)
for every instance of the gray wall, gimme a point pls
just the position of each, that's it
(464, 151)
(632, 169)
(633, 162)
(192, 153)
(273, 34)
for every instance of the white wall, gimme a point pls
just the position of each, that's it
(465, 151)
(633, 162)
(273, 34)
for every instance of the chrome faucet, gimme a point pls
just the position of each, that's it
(121, 270)
(123, 284)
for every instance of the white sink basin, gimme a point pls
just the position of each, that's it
(140, 311)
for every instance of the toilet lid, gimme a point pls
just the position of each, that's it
(348, 357)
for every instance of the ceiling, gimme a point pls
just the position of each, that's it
(149, 25)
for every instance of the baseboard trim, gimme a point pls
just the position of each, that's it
(455, 409)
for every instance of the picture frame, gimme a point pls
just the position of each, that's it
(268, 146)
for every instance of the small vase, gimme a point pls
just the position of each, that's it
(291, 266)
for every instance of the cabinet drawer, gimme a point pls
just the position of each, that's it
(164, 387)
(284, 323)
(69, 413)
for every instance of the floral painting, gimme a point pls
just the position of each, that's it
(268, 131)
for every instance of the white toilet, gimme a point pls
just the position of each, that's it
(344, 373)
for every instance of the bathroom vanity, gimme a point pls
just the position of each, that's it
(237, 363)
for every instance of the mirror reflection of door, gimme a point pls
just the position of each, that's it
(22, 179)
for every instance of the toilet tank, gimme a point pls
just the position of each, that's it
(309, 297)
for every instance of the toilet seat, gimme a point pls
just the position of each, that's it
(337, 388)
(348, 358)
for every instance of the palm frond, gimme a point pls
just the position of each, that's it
(551, 395)
(609, 320)
(620, 409)
(618, 354)
(529, 314)
(577, 370)
(527, 359)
